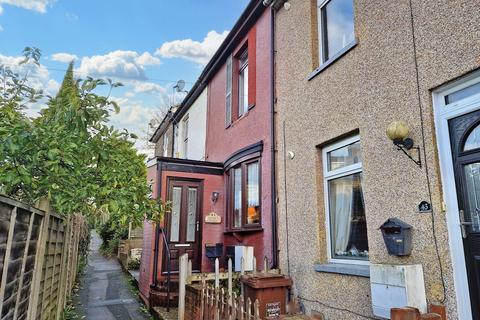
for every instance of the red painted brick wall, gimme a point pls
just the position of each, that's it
(253, 127)
(146, 264)
(211, 233)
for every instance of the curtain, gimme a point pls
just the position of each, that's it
(342, 193)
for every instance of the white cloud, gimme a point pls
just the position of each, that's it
(38, 76)
(198, 52)
(122, 64)
(64, 57)
(52, 87)
(35, 5)
(147, 59)
(148, 87)
(1, 10)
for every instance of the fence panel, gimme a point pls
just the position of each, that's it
(37, 260)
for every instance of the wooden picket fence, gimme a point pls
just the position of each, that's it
(38, 260)
(217, 305)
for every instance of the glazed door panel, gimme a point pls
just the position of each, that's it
(183, 225)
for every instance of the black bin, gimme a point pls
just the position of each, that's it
(397, 236)
(214, 250)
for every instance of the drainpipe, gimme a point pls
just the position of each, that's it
(157, 228)
(272, 140)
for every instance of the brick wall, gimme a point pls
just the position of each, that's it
(193, 302)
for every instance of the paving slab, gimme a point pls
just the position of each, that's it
(104, 290)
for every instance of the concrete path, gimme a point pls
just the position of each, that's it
(105, 293)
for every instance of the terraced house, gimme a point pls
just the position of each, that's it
(214, 163)
(346, 71)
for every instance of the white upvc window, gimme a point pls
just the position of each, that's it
(243, 84)
(185, 137)
(335, 27)
(165, 145)
(345, 210)
(228, 94)
(176, 141)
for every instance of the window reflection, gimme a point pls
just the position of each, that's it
(473, 140)
(347, 218)
(344, 156)
(175, 221)
(338, 26)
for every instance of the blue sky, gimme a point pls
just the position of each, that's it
(146, 44)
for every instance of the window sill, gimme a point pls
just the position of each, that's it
(235, 121)
(344, 268)
(244, 230)
(332, 60)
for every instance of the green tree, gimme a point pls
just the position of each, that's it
(69, 153)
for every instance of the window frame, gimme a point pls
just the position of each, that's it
(229, 92)
(230, 194)
(242, 74)
(185, 124)
(329, 175)
(165, 145)
(322, 36)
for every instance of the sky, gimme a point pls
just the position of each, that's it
(148, 45)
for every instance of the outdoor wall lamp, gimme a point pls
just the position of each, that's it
(398, 131)
(215, 196)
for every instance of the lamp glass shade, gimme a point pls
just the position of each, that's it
(397, 130)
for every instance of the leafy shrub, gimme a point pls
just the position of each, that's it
(133, 264)
(111, 233)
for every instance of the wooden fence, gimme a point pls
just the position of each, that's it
(38, 260)
(219, 303)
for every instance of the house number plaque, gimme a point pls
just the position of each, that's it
(424, 206)
(213, 217)
(273, 310)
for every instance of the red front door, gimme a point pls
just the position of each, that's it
(184, 223)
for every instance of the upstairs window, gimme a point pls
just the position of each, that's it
(165, 145)
(336, 27)
(243, 83)
(228, 95)
(185, 137)
(244, 190)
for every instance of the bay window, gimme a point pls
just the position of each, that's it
(244, 201)
(345, 209)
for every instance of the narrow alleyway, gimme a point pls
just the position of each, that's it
(105, 293)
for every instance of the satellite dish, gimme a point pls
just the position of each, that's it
(180, 85)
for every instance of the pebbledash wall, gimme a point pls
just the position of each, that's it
(372, 85)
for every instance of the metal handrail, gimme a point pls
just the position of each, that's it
(165, 243)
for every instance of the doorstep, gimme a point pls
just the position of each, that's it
(161, 313)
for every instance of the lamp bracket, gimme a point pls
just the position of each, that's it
(407, 144)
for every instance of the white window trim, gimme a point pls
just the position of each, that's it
(320, 5)
(242, 110)
(165, 145)
(442, 114)
(185, 133)
(330, 175)
(228, 92)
